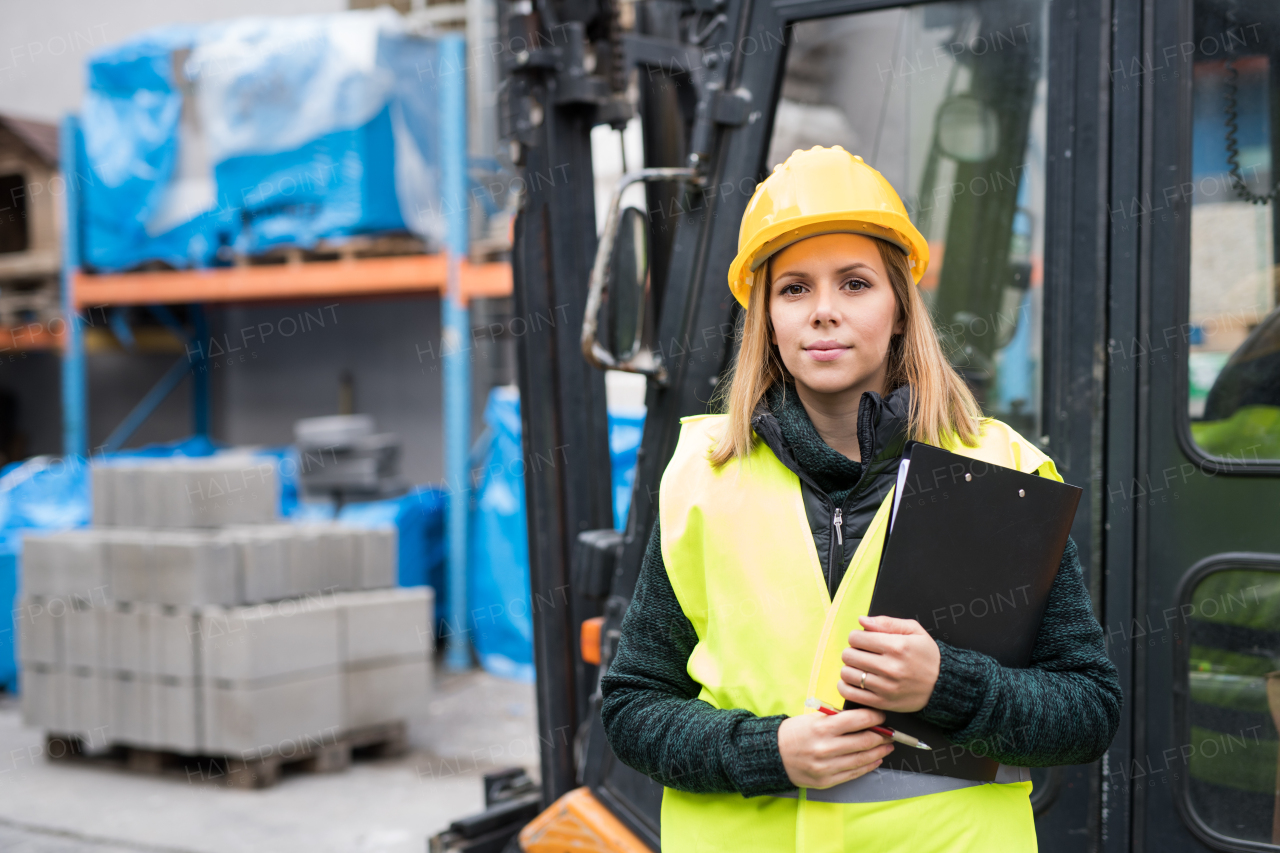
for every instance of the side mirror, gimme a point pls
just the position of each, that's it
(629, 277)
(620, 274)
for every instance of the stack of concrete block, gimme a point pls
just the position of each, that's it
(188, 619)
(225, 680)
(235, 565)
(338, 664)
(212, 491)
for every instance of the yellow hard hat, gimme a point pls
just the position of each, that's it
(821, 191)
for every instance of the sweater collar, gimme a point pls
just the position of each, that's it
(783, 424)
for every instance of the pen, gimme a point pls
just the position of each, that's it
(819, 705)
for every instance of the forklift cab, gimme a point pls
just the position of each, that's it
(1095, 181)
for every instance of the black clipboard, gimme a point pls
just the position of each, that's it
(971, 554)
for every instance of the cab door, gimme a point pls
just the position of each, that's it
(987, 116)
(1192, 498)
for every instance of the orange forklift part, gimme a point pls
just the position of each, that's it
(577, 822)
(590, 639)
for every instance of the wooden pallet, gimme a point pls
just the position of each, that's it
(380, 246)
(380, 741)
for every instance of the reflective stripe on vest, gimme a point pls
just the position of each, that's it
(741, 559)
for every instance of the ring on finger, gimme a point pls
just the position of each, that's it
(862, 685)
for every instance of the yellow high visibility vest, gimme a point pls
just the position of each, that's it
(741, 559)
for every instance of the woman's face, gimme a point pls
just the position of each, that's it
(833, 313)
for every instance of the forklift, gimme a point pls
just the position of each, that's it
(1096, 181)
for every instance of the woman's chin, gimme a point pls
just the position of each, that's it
(828, 383)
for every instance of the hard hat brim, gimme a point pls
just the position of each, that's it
(884, 225)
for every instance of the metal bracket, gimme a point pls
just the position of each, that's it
(642, 361)
(730, 108)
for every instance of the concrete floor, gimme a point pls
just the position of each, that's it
(475, 723)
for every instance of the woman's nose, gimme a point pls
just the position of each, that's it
(824, 311)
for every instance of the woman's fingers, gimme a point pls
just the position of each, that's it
(856, 720)
(857, 662)
(840, 747)
(851, 766)
(874, 642)
(862, 697)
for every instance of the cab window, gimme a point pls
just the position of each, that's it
(1232, 621)
(1233, 328)
(947, 101)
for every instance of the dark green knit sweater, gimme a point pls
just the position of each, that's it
(1064, 709)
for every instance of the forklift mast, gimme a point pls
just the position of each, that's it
(569, 66)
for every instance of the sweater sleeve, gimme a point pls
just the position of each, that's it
(1063, 709)
(653, 717)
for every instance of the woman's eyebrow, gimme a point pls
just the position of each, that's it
(856, 265)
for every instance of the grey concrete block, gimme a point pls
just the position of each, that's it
(40, 564)
(379, 553)
(170, 634)
(184, 493)
(84, 565)
(84, 634)
(262, 561)
(102, 494)
(70, 562)
(44, 697)
(386, 693)
(38, 633)
(249, 719)
(190, 568)
(175, 714)
(284, 638)
(230, 489)
(392, 623)
(128, 564)
(127, 646)
(340, 547)
(127, 494)
(130, 708)
(88, 706)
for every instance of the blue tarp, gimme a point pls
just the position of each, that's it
(498, 591)
(251, 133)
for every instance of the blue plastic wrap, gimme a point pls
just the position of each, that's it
(498, 578)
(626, 428)
(258, 132)
(8, 592)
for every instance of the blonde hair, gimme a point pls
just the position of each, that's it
(941, 402)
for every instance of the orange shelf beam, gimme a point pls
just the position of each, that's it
(33, 336)
(304, 280)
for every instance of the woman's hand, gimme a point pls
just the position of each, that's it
(820, 750)
(900, 661)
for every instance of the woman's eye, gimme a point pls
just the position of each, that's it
(857, 284)
(792, 289)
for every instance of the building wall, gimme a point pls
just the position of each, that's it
(291, 358)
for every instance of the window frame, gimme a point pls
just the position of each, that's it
(1230, 561)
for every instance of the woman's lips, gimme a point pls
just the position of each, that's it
(826, 350)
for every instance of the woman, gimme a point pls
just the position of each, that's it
(771, 522)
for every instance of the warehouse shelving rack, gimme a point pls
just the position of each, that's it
(448, 274)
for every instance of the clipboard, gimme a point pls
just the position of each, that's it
(971, 554)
